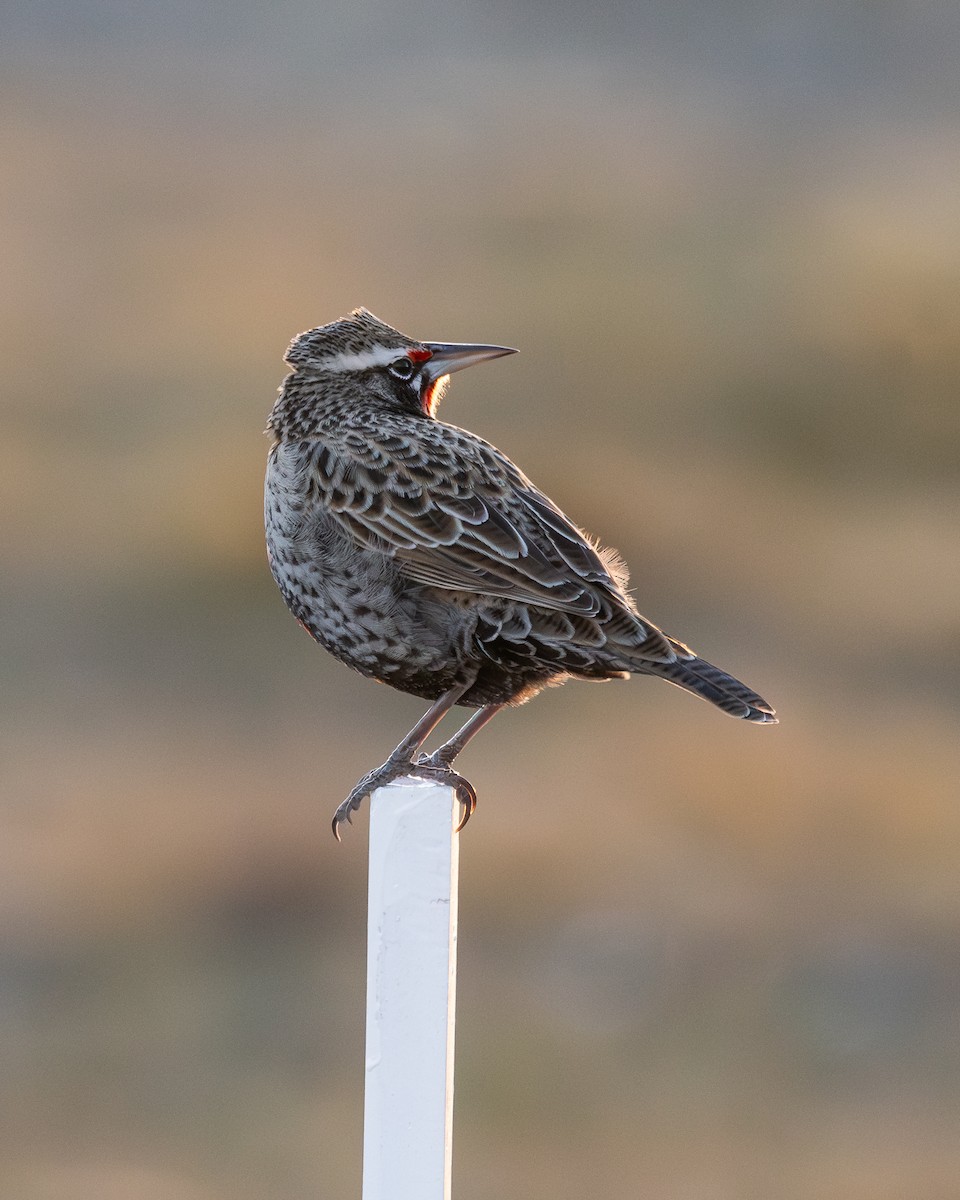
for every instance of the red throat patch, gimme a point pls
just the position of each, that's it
(432, 394)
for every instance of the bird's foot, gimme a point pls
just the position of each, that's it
(434, 766)
(427, 767)
(393, 768)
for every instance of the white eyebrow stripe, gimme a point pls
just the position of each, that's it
(377, 356)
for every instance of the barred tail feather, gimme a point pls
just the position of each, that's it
(709, 682)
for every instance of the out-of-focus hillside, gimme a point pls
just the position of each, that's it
(697, 958)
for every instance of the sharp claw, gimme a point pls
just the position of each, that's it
(468, 799)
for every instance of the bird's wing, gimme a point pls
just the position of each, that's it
(473, 522)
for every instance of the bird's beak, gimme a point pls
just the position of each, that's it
(447, 357)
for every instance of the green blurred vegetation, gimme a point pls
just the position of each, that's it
(697, 959)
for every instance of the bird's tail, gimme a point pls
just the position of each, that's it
(696, 675)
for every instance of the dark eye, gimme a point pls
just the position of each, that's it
(403, 368)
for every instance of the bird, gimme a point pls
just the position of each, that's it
(421, 556)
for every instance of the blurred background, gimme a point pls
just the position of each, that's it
(699, 960)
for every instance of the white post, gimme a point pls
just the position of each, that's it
(411, 992)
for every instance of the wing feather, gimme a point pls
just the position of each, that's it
(481, 526)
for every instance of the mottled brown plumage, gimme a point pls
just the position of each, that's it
(420, 555)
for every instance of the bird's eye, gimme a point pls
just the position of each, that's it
(403, 368)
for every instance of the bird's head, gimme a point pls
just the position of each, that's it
(371, 362)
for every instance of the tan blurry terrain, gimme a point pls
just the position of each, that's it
(698, 959)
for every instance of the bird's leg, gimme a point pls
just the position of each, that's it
(444, 756)
(446, 753)
(402, 761)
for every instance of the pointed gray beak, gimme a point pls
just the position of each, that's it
(447, 357)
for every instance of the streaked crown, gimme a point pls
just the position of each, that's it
(356, 342)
